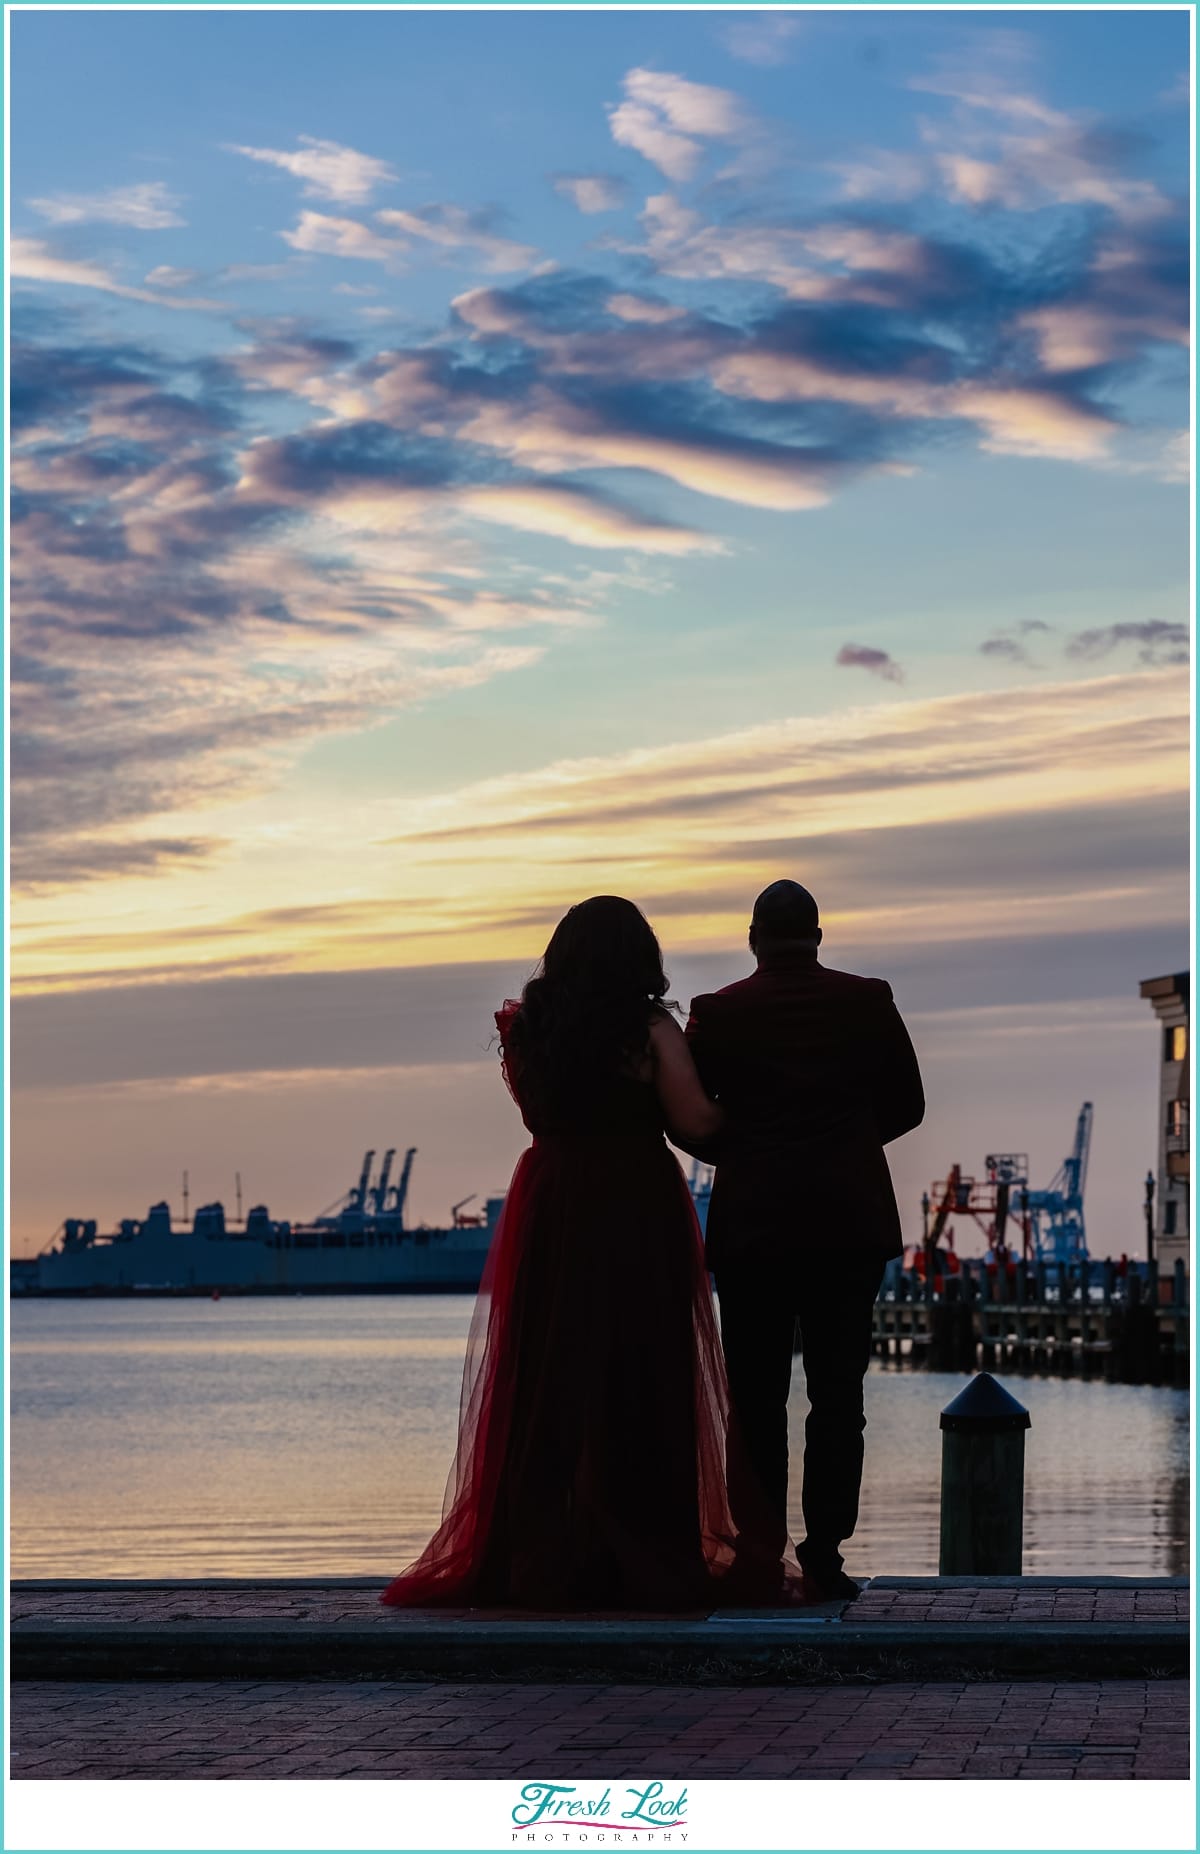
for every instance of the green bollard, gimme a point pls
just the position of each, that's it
(983, 1481)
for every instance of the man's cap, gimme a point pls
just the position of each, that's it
(785, 911)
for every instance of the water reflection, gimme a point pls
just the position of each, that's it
(309, 1435)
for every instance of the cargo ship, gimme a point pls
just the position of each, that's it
(360, 1245)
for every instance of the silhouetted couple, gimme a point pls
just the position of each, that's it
(609, 1455)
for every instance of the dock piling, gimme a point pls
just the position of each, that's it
(983, 1481)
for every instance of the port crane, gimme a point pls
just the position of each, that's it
(378, 1203)
(1048, 1224)
(400, 1188)
(379, 1194)
(461, 1219)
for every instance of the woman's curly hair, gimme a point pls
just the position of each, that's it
(585, 1015)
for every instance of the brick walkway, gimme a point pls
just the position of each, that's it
(885, 1600)
(381, 1729)
(945, 1599)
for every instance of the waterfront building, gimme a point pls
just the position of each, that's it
(1170, 997)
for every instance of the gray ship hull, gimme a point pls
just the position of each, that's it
(320, 1262)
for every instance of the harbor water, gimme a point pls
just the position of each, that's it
(312, 1436)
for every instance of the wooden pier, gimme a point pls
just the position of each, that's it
(1130, 1330)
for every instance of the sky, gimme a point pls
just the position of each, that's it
(466, 461)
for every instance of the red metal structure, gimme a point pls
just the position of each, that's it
(995, 1203)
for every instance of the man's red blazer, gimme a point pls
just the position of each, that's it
(816, 1073)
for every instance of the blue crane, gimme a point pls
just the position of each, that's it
(1050, 1221)
(1056, 1226)
(400, 1188)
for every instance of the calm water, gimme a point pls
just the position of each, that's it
(277, 1437)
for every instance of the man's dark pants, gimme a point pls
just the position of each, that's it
(830, 1294)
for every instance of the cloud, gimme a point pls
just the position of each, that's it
(327, 236)
(592, 193)
(1157, 641)
(453, 228)
(329, 170)
(31, 260)
(630, 308)
(287, 358)
(882, 175)
(865, 656)
(367, 472)
(448, 228)
(170, 277)
(551, 432)
(895, 334)
(254, 273)
(865, 357)
(1008, 649)
(1004, 146)
(760, 38)
(885, 764)
(129, 528)
(693, 109)
(926, 822)
(149, 206)
(584, 517)
(47, 866)
(667, 120)
(1010, 645)
(1034, 421)
(1178, 93)
(440, 1015)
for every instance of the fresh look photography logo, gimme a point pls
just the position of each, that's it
(558, 1812)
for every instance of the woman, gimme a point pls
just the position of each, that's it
(590, 1470)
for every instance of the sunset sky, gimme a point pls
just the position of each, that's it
(466, 461)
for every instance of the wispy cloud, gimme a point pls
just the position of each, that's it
(399, 235)
(150, 206)
(668, 120)
(324, 235)
(592, 193)
(328, 170)
(128, 527)
(31, 260)
(884, 764)
(921, 822)
(1011, 645)
(584, 517)
(1004, 145)
(1155, 640)
(171, 277)
(866, 656)
(300, 498)
(47, 866)
(761, 38)
(455, 229)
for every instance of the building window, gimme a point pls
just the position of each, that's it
(1177, 1119)
(1169, 1210)
(1175, 1043)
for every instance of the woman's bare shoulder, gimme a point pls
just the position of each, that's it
(664, 1026)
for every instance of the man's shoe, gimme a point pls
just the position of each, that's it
(829, 1586)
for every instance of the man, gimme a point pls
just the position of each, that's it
(816, 1073)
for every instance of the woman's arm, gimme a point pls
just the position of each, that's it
(691, 1118)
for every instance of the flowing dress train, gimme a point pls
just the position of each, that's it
(590, 1471)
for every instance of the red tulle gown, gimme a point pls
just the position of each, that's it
(590, 1471)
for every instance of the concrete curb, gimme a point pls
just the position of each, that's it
(779, 1650)
(72, 1585)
